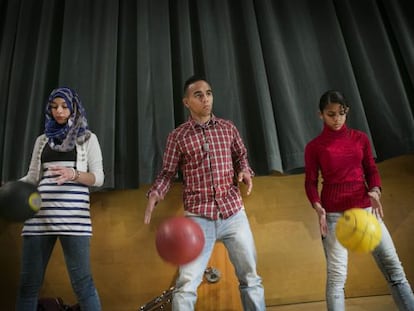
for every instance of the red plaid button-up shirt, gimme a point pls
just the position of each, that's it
(209, 156)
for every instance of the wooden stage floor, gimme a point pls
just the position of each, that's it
(372, 303)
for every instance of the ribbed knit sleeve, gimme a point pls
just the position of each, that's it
(311, 173)
(372, 175)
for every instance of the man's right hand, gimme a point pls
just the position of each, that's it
(153, 199)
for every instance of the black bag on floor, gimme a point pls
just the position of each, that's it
(51, 304)
(55, 304)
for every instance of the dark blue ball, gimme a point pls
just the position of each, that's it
(19, 201)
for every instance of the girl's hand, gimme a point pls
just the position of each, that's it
(323, 227)
(376, 204)
(63, 174)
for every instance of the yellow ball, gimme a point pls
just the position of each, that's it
(358, 230)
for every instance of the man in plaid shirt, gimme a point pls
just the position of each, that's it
(213, 160)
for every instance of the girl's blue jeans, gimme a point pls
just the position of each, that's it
(35, 257)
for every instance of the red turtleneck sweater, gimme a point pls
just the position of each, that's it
(345, 161)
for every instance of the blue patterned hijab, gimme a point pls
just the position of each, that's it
(63, 137)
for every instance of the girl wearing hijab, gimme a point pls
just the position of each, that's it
(66, 161)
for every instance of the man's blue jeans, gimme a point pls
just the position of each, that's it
(386, 258)
(36, 254)
(236, 235)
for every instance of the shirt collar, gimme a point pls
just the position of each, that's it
(211, 122)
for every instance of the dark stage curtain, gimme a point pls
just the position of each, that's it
(268, 62)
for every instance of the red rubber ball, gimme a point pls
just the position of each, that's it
(179, 240)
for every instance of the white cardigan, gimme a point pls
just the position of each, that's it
(89, 159)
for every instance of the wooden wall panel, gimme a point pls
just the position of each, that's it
(223, 295)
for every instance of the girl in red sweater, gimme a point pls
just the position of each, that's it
(343, 158)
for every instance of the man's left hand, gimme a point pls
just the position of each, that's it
(246, 178)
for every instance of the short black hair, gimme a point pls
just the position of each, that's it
(333, 96)
(193, 79)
